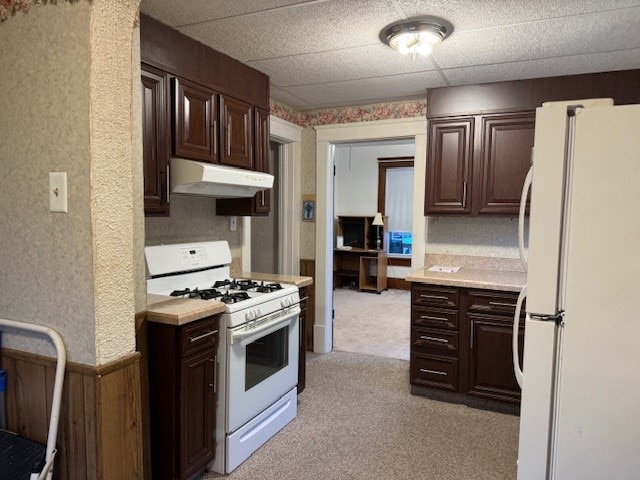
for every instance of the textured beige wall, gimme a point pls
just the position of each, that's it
(193, 219)
(308, 187)
(46, 258)
(112, 195)
(67, 106)
(138, 177)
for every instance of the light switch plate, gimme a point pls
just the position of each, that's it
(233, 223)
(58, 192)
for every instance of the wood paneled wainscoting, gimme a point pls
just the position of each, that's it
(100, 430)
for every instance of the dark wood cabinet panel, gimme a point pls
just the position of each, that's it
(197, 411)
(491, 367)
(434, 371)
(262, 200)
(449, 168)
(236, 144)
(155, 145)
(505, 159)
(302, 340)
(182, 396)
(463, 343)
(259, 204)
(195, 128)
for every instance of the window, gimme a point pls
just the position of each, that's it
(395, 202)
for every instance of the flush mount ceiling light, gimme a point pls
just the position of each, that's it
(415, 37)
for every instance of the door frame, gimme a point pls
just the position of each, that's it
(326, 137)
(289, 136)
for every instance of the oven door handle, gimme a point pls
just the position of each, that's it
(238, 334)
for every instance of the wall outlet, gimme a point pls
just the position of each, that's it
(58, 192)
(233, 223)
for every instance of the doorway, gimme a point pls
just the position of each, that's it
(327, 138)
(264, 230)
(364, 322)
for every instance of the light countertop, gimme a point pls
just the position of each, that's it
(274, 277)
(472, 278)
(180, 311)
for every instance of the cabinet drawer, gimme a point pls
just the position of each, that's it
(433, 371)
(198, 335)
(435, 296)
(439, 342)
(497, 303)
(434, 318)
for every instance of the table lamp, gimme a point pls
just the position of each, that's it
(377, 221)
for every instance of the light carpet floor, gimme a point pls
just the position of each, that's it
(357, 421)
(371, 323)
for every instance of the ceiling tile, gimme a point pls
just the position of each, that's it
(313, 27)
(175, 13)
(337, 65)
(288, 99)
(552, 38)
(472, 14)
(548, 67)
(371, 90)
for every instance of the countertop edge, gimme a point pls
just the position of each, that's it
(469, 278)
(180, 311)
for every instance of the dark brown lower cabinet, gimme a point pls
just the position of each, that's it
(182, 396)
(491, 365)
(302, 350)
(461, 342)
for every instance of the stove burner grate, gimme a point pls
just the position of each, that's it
(234, 297)
(204, 294)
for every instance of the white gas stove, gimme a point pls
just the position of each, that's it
(257, 360)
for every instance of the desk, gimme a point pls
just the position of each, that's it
(368, 268)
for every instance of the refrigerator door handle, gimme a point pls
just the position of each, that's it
(516, 331)
(523, 207)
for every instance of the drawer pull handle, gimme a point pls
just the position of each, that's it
(438, 319)
(435, 297)
(200, 337)
(435, 372)
(434, 339)
(500, 304)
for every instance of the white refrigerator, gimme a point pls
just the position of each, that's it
(580, 410)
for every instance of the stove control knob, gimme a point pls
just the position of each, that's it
(259, 313)
(283, 302)
(250, 315)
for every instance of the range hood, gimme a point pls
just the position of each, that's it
(209, 180)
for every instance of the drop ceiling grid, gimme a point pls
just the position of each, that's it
(321, 53)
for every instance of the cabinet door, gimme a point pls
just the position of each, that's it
(155, 147)
(197, 411)
(491, 366)
(449, 169)
(507, 140)
(236, 143)
(262, 200)
(195, 126)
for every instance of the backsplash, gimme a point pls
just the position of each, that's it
(475, 236)
(193, 219)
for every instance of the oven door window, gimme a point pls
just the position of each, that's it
(266, 356)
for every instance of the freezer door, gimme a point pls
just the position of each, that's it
(598, 413)
(547, 199)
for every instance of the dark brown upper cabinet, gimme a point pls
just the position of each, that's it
(236, 143)
(260, 204)
(507, 140)
(476, 165)
(155, 140)
(195, 122)
(449, 173)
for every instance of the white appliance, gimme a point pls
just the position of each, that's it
(580, 411)
(210, 180)
(257, 358)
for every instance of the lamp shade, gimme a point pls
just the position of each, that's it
(377, 220)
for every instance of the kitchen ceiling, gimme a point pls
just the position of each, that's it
(325, 53)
